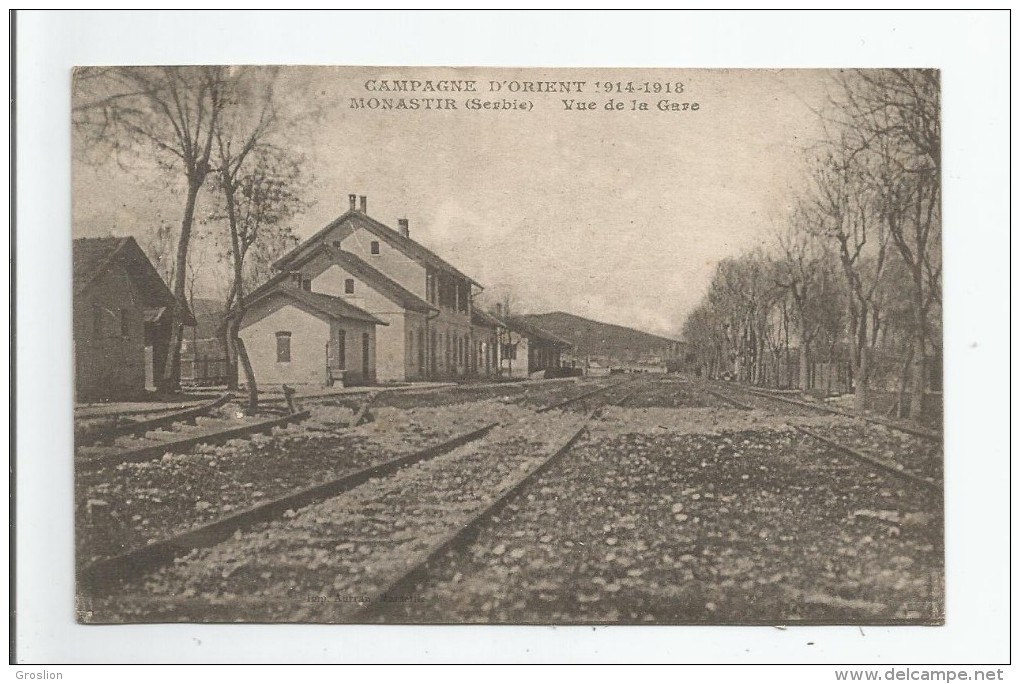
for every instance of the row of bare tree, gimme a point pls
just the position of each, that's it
(854, 273)
(217, 138)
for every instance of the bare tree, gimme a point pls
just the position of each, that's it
(258, 183)
(743, 294)
(160, 247)
(805, 268)
(167, 115)
(893, 116)
(704, 335)
(845, 207)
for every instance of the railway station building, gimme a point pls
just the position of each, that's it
(421, 305)
(123, 317)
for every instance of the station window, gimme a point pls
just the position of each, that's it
(349, 286)
(283, 347)
(306, 284)
(375, 246)
(97, 320)
(125, 323)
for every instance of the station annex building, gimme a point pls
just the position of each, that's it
(359, 303)
(123, 316)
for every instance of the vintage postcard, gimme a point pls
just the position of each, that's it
(507, 346)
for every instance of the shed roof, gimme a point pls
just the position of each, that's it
(93, 257)
(532, 331)
(479, 317)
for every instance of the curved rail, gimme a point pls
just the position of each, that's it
(134, 427)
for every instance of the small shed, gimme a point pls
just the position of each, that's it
(527, 349)
(123, 318)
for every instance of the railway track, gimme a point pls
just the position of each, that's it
(914, 430)
(729, 400)
(451, 536)
(896, 469)
(130, 441)
(100, 412)
(103, 575)
(893, 468)
(400, 588)
(106, 427)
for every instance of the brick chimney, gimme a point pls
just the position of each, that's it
(404, 229)
(353, 199)
(364, 204)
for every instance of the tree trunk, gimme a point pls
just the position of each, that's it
(918, 380)
(803, 370)
(172, 368)
(862, 396)
(905, 373)
(230, 350)
(249, 374)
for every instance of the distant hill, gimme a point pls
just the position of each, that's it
(604, 340)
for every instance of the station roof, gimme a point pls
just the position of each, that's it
(327, 305)
(413, 249)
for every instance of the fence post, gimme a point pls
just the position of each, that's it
(288, 394)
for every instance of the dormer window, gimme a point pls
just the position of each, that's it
(374, 246)
(306, 284)
(349, 286)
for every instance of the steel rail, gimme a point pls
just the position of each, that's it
(930, 435)
(419, 568)
(103, 574)
(892, 468)
(583, 395)
(729, 400)
(110, 432)
(151, 451)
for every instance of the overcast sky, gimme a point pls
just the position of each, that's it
(618, 216)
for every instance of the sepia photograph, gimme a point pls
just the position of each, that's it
(513, 346)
